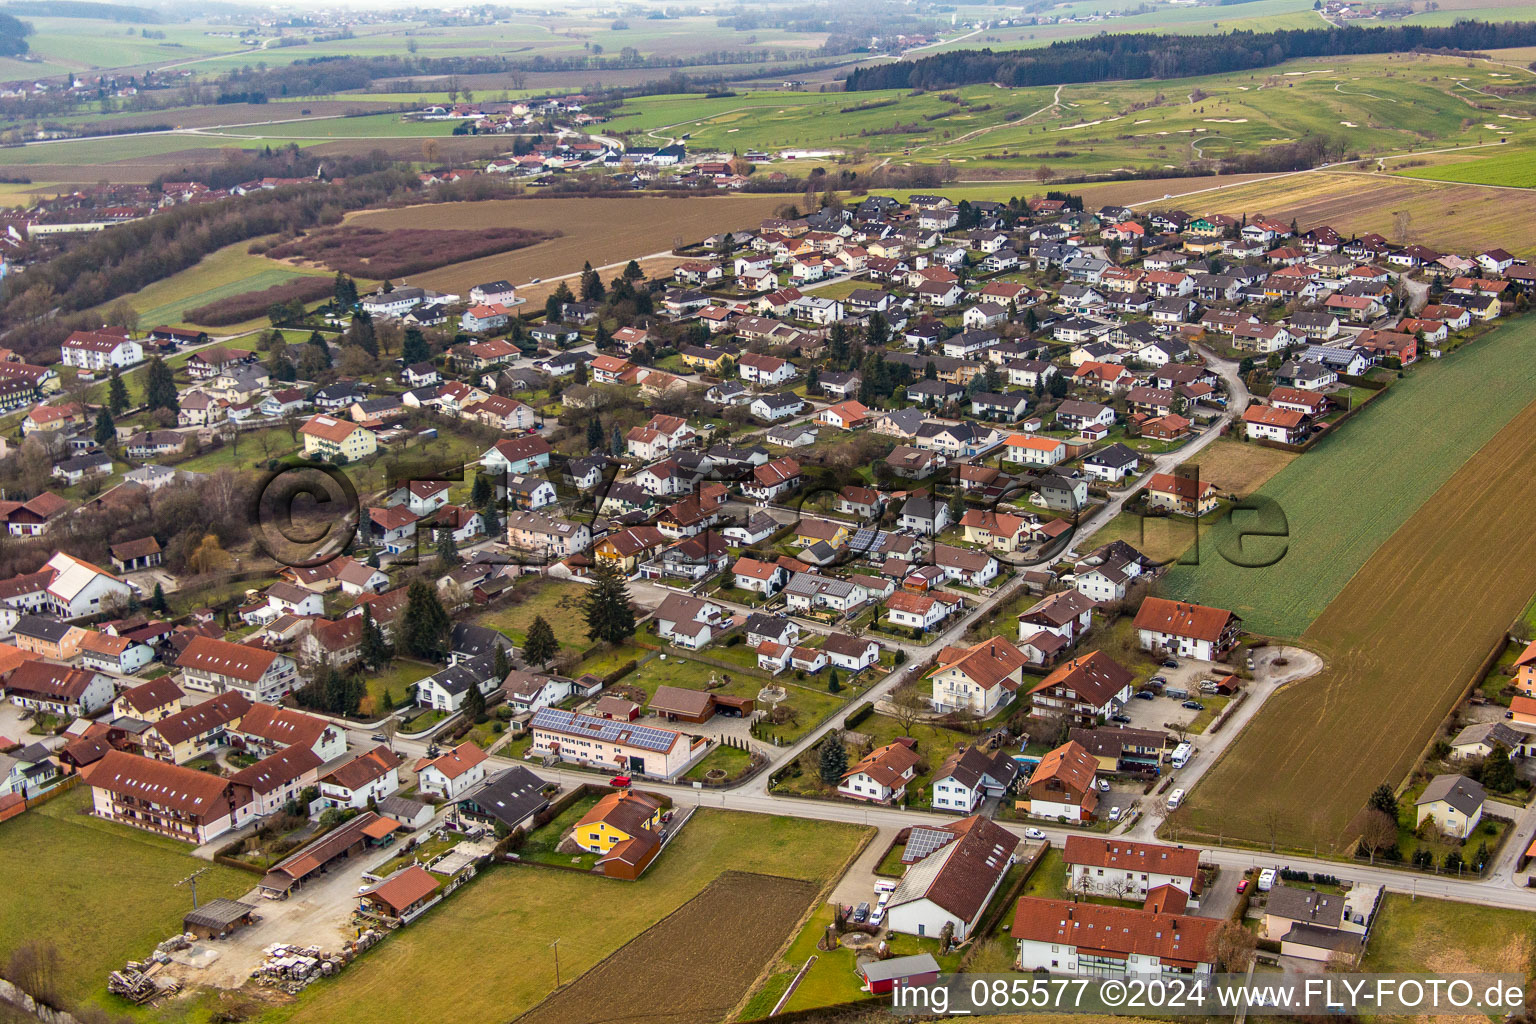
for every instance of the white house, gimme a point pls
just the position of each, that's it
(979, 678)
(968, 777)
(372, 776)
(881, 776)
(95, 351)
(453, 774)
(1102, 866)
(953, 883)
(1067, 938)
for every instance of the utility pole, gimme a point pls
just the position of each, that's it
(556, 947)
(191, 880)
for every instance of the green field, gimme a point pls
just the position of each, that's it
(1514, 167)
(1435, 935)
(558, 603)
(511, 915)
(101, 893)
(1346, 496)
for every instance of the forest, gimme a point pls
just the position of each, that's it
(1150, 55)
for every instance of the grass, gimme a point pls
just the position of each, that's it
(1239, 468)
(1506, 167)
(542, 843)
(1346, 496)
(114, 882)
(254, 444)
(731, 760)
(229, 271)
(1314, 752)
(396, 680)
(512, 914)
(556, 602)
(1434, 935)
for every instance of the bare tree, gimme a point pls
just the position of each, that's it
(907, 706)
(1377, 830)
(1234, 946)
(1272, 817)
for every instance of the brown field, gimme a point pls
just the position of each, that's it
(373, 252)
(1402, 639)
(1160, 538)
(1239, 468)
(239, 113)
(1465, 218)
(696, 963)
(603, 231)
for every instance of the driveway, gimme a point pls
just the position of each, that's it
(858, 883)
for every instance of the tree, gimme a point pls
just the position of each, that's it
(907, 706)
(474, 703)
(606, 605)
(482, 491)
(501, 662)
(633, 273)
(321, 349)
(541, 644)
(360, 333)
(1234, 946)
(1499, 771)
(157, 600)
(415, 348)
(117, 393)
(106, 432)
(556, 302)
(616, 443)
(1378, 831)
(591, 284)
(207, 556)
(813, 382)
(833, 760)
(374, 650)
(834, 685)
(424, 625)
(447, 550)
(1384, 800)
(595, 433)
(344, 292)
(160, 387)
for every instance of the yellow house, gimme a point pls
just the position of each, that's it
(330, 439)
(617, 818)
(809, 531)
(626, 548)
(1202, 246)
(1525, 671)
(714, 360)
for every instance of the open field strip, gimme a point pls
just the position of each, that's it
(511, 914)
(1407, 631)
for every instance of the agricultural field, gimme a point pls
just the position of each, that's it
(1358, 485)
(222, 274)
(1511, 167)
(1396, 660)
(604, 231)
(1436, 935)
(670, 954)
(115, 881)
(511, 914)
(1239, 468)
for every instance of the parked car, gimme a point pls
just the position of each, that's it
(1122, 719)
(1103, 785)
(885, 898)
(619, 781)
(1033, 833)
(861, 913)
(1193, 705)
(1174, 799)
(1170, 663)
(1114, 814)
(1145, 695)
(884, 885)
(1242, 886)
(877, 916)
(379, 737)
(1156, 681)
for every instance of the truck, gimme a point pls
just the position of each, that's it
(1181, 755)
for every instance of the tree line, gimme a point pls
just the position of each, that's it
(1157, 55)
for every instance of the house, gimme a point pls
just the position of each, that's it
(1106, 573)
(918, 611)
(687, 621)
(332, 440)
(1481, 739)
(149, 701)
(773, 407)
(1188, 496)
(1123, 750)
(979, 679)
(772, 480)
(882, 977)
(969, 777)
(1068, 938)
(1068, 614)
(949, 888)
(625, 827)
(278, 778)
(446, 688)
(527, 692)
(193, 731)
(452, 774)
(116, 654)
(967, 566)
(1076, 415)
(1126, 870)
(46, 637)
(1087, 688)
(853, 654)
(1112, 463)
(401, 896)
(550, 537)
(79, 589)
(881, 776)
(507, 800)
(1310, 924)
(167, 799)
(615, 745)
(215, 666)
(265, 729)
(133, 555)
(1034, 451)
(97, 351)
(1272, 423)
(765, 578)
(1185, 630)
(1455, 802)
(764, 370)
(516, 455)
(924, 515)
(1061, 785)
(58, 690)
(363, 781)
(848, 415)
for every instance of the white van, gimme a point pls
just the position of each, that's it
(1181, 755)
(884, 885)
(1266, 879)
(1174, 799)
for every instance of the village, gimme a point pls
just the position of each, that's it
(840, 518)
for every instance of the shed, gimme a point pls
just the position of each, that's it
(679, 704)
(342, 842)
(217, 918)
(883, 975)
(406, 890)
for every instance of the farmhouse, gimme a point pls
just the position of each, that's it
(167, 799)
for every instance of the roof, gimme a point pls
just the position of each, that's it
(59, 682)
(404, 888)
(899, 967)
(1305, 905)
(161, 783)
(211, 714)
(992, 662)
(1197, 621)
(1460, 792)
(1186, 487)
(676, 700)
(1151, 858)
(329, 428)
(1069, 763)
(364, 768)
(510, 795)
(218, 913)
(278, 770)
(887, 765)
(627, 811)
(283, 726)
(619, 733)
(1174, 939)
(454, 763)
(1271, 416)
(224, 658)
(1095, 677)
(960, 875)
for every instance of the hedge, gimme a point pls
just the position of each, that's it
(858, 714)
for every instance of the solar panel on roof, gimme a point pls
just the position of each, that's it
(924, 841)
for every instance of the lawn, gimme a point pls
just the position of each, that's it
(1314, 752)
(731, 760)
(542, 843)
(396, 680)
(1509, 167)
(1418, 935)
(1239, 468)
(558, 603)
(510, 915)
(115, 885)
(1351, 492)
(255, 446)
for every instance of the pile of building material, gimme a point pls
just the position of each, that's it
(139, 981)
(292, 968)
